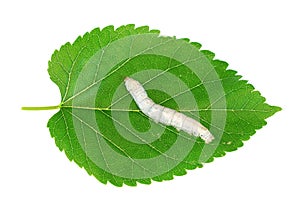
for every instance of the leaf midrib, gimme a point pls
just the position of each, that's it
(181, 110)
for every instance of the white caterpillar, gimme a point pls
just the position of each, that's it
(166, 116)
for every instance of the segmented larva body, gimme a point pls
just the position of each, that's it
(164, 115)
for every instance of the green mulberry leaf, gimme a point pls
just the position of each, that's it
(100, 127)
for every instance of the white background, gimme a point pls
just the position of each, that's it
(260, 39)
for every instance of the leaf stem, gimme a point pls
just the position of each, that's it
(42, 108)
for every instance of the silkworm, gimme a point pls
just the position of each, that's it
(164, 115)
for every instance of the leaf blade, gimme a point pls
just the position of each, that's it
(245, 108)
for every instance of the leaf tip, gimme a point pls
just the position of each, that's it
(276, 109)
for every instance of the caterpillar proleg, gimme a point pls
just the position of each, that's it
(164, 115)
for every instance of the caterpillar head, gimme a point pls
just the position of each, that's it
(207, 136)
